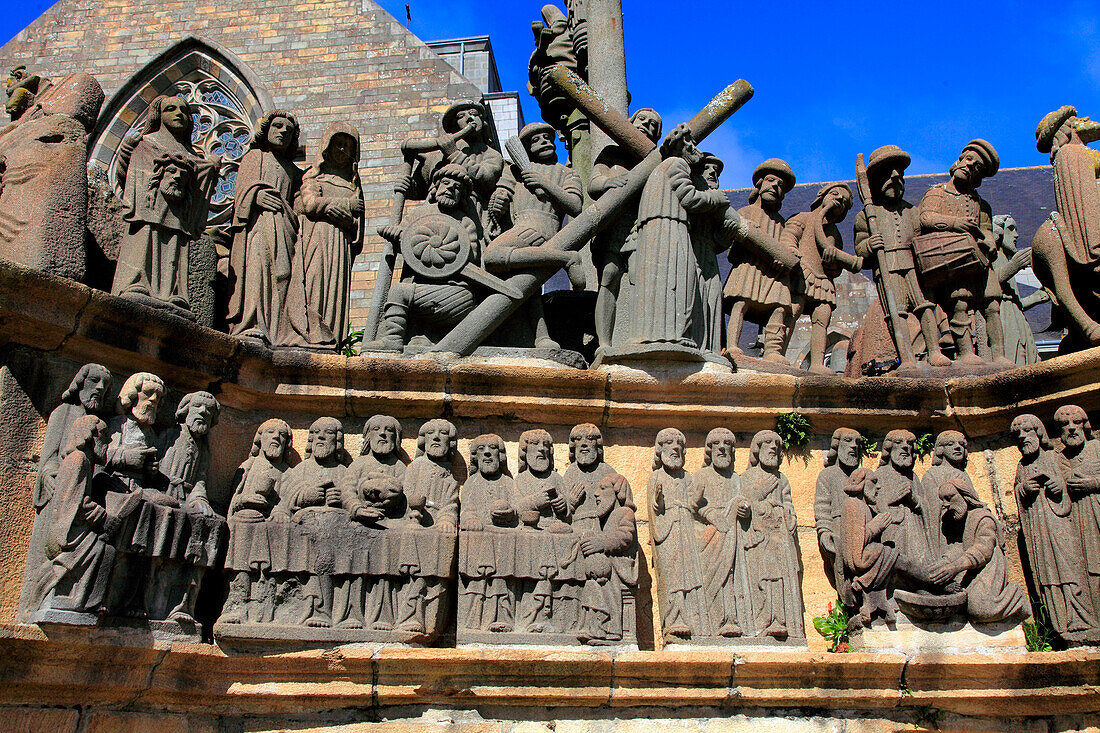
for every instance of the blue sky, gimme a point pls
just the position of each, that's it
(831, 79)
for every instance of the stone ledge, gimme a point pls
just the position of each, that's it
(44, 312)
(109, 672)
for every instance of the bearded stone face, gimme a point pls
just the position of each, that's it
(1027, 440)
(437, 442)
(144, 409)
(901, 454)
(1073, 430)
(769, 453)
(604, 499)
(952, 502)
(488, 461)
(200, 417)
(672, 454)
(586, 450)
(273, 442)
(324, 442)
(538, 456)
(173, 183)
(721, 453)
(449, 192)
(382, 439)
(847, 451)
(93, 391)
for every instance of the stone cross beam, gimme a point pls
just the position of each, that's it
(491, 312)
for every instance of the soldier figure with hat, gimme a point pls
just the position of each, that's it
(897, 223)
(754, 286)
(534, 201)
(1066, 249)
(968, 281)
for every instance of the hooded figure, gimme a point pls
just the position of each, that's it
(331, 221)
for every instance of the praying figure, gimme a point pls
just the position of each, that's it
(165, 189)
(331, 232)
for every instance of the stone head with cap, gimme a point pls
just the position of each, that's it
(467, 113)
(538, 140)
(1062, 126)
(772, 180)
(886, 173)
(977, 160)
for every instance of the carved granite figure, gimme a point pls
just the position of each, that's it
(911, 508)
(868, 561)
(1079, 463)
(673, 503)
(467, 141)
(165, 187)
(722, 506)
(267, 274)
(759, 286)
(310, 508)
(667, 305)
(974, 556)
(770, 542)
(555, 43)
(249, 557)
(1055, 551)
(949, 460)
(841, 460)
(1018, 337)
(78, 549)
(816, 237)
(438, 233)
(530, 204)
(486, 596)
(44, 171)
(613, 246)
(1066, 249)
(955, 248)
(331, 232)
(586, 470)
(897, 223)
(610, 552)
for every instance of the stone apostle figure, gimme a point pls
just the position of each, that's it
(949, 459)
(79, 554)
(1079, 463)
(901, 495)
(974, 556)
(309, 495)
(185, 464)
(1066, 249)
(86, 395)
(165, 188)
(266, 268)
(1019, 338)
(431, 492)
(897, 224)
(842, 458)
(955, 206)
(867, 561)
(248, 560)
(1055, 552)
(757, 285)
(815, 235)
(488, 501)
(467, 141)
(673, 503)
(611, 562)
(132, 453)
(613, 246)
(331, 226)
(770, 543)
(534, 202)
(723, 504)
(667, 304)
(428, 303)
(586, 470)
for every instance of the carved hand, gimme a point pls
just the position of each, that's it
(269, 201)
(559, 504)
(357, 207)
(472, 523)
(368, 512)
(199, 505)
(404, 185)
(138, 458)
(744, 510)
(876, 242)
(391, 232)
(576, 494)
(589, 546)
(534, 180)
(878, 524)
(943, 571)
(498, 202)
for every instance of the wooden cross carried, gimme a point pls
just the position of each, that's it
(491, 312)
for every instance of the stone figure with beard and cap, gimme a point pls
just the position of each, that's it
(897, 223)
(973, 555)
(1055, 552)
(1066, 250)
(770, 543)
(815, 235)
(249, 558)
(431, 494)
(165, 189)
(371, 492)
(722, 505)
(486, 596)
(842, 458)
(268, 299)
(467, 141)
(1079, 463)
(757, 286)
(432, 304)
(185, 463)
(955, 249)
(78, 552)
(673, 504)
(331, 225)
(530, 206)
(614, 245)
(311, 510)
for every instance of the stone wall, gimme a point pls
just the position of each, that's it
(324, 60)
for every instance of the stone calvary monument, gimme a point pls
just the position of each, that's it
(233, 498)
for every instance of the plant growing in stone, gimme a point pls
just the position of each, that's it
(795, 429)
(867, 447)
(926, 443)
(834, 627)
(1037, 631)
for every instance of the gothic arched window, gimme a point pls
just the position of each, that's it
(226, 101)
